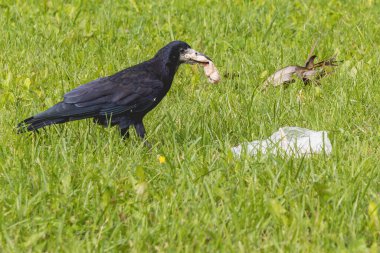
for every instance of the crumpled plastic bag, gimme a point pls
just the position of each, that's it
(290, 141)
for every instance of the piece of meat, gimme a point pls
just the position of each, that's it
(209, 67)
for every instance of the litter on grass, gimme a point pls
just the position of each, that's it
(310, 72)
(288, 141)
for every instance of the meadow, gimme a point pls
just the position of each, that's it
(79, 187)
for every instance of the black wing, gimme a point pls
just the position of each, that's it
(135, 90)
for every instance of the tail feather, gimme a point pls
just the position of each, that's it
(32, 123)
(59, 113)
(64, 112)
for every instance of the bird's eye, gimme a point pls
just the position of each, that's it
(182, 50)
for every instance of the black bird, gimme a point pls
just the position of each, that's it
(122, 99)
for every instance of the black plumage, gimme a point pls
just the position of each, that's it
(122, 99)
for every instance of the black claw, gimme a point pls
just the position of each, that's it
(148, 145)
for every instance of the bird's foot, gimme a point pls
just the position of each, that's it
(148, 145)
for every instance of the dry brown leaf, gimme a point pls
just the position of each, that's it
(310, 72)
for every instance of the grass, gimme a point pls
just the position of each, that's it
(80, 188)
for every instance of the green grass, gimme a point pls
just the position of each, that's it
(80, 188)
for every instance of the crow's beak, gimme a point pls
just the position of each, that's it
(191, 56)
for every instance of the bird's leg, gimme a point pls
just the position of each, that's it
(140, 130)
(124, 128)
(124, 133)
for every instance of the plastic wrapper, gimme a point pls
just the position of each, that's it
(288, 141)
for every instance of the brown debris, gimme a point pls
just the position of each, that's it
(310, 72)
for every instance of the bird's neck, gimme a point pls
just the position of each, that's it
(165, 69)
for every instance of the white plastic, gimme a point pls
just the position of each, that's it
(291, 141)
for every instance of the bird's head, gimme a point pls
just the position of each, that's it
(178, 52)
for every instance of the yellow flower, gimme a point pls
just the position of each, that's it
(161, 159)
